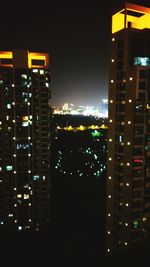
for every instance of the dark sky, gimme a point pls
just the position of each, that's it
(77, 36)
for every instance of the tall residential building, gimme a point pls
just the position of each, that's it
(128, 181)
(24, 139)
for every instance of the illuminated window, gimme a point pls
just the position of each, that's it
(25, 124)
(108, 232)
(112, 60)
(143, 61)
(131, 78)
(26, 196)
(36, 177)
(130, 100)
(112, 81)
(113, 39)
(8, 106)
(129, 122)
(9, 168)
(111, 101)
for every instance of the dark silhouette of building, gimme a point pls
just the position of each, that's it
(128, 181)
(24, 139)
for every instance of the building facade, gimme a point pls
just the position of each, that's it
(24, 139)
(128, 181)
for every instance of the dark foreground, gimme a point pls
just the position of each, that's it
(75, 235)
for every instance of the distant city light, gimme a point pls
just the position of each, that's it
(100, 112)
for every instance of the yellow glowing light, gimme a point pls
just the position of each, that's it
(38, 56)
(122, 19)
(25, 118)
(6, 55)
(81, 128)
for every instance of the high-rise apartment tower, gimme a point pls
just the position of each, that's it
(128, 181)
(24, 139)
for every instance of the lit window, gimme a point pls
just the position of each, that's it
(25, 124)
(8, 106)
(109, 196)
(131, 78)
(113, 39)
(130, 100)
(126, 243)
(128, 164)
(110, 159)
(24, 76)
(9, 168)
(112, 81)
(111, 101)
(109, 215)
(127, 184)
(112, 60)
(108, 232)
(29, 171)
(110, 140)
(26, 196)
(127, 205)
(110, 121)
(143, 61)
(129, 122)
(41, 71)
(36, 177)
(128, 143)
(126, 224)
(35, 70)
(19, 196)
(14, 121)
(19, 228)
(108, 250)
(109, 177)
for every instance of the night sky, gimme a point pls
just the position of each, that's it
(76, 34)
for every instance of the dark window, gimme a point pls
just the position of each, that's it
(142, 74)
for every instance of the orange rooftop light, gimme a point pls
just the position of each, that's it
(132, 16)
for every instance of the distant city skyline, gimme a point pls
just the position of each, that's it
(75, 34)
